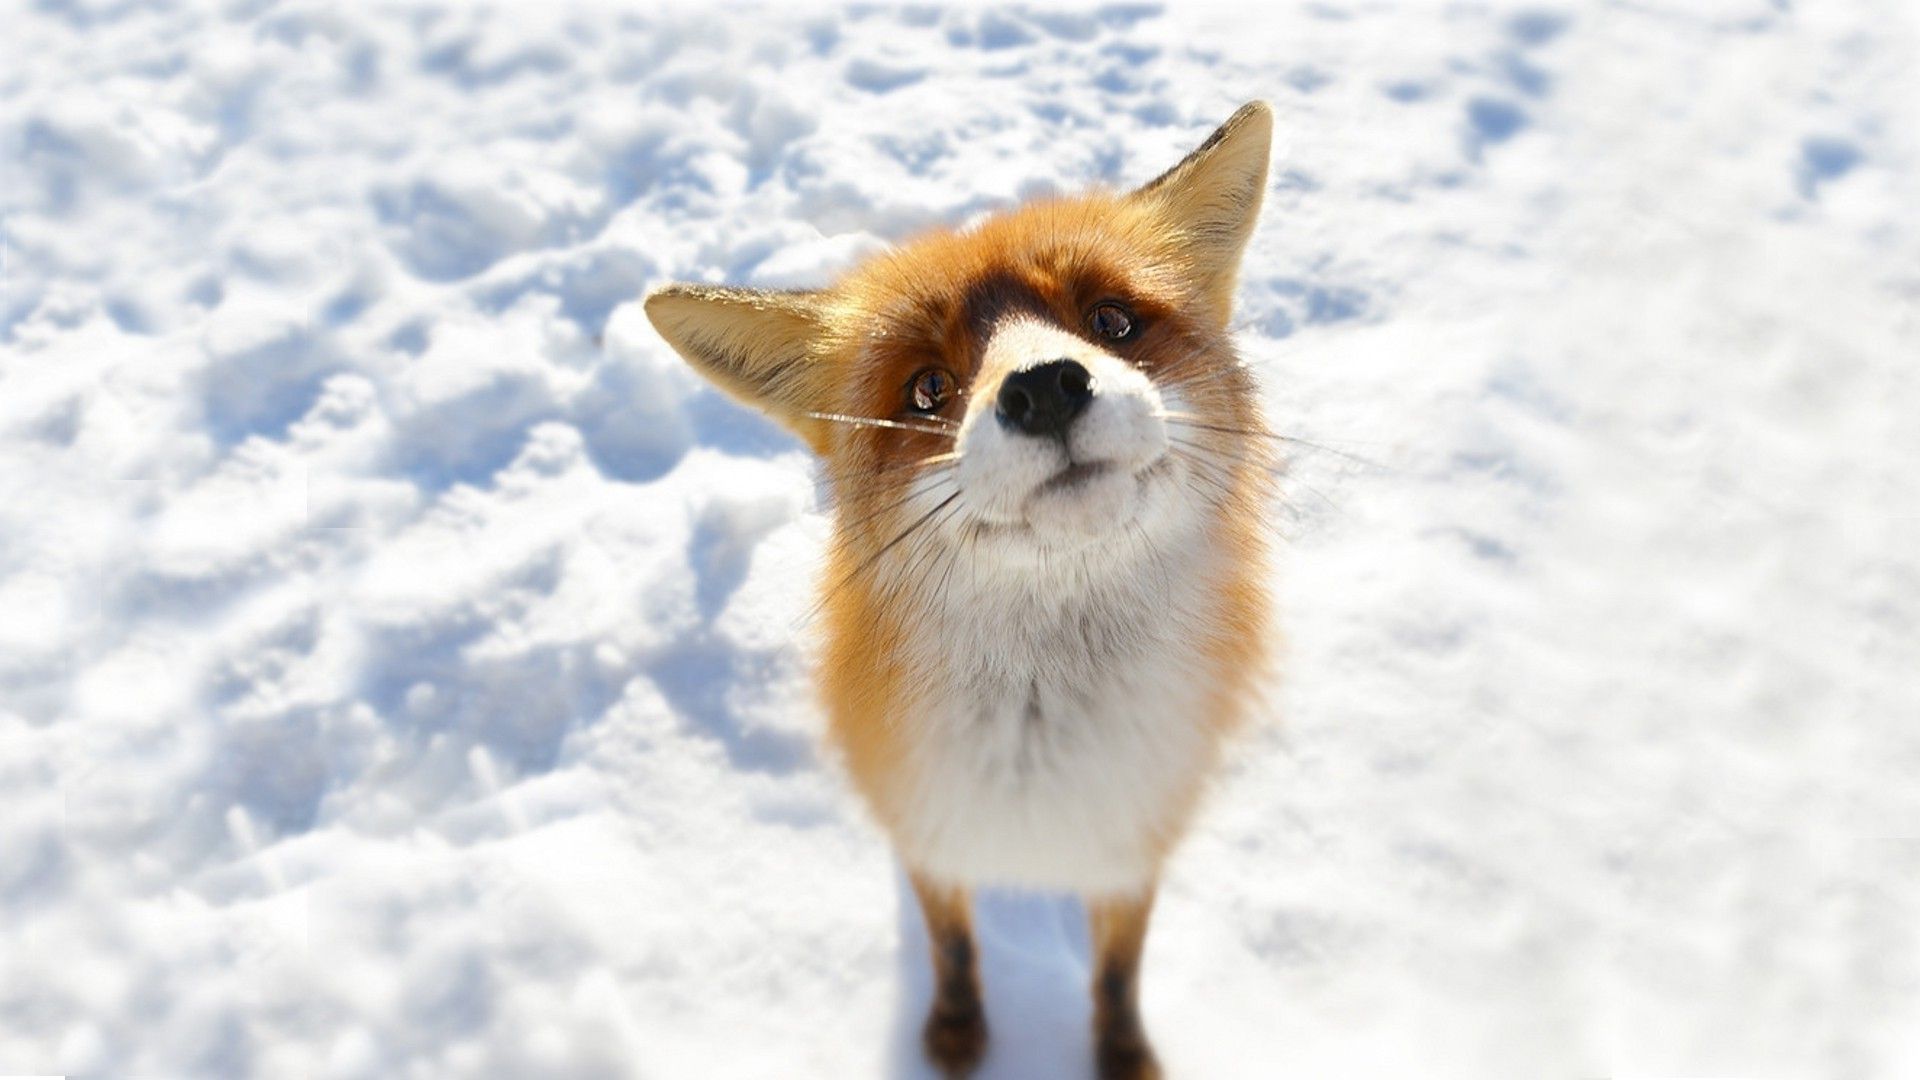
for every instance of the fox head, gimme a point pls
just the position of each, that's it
(1052, 386)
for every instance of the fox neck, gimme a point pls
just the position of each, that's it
(1072, 621)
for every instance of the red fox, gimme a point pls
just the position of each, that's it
(1045, 600)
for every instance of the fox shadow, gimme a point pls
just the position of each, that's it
(1034, 968)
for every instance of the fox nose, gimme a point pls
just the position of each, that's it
(1044, 399)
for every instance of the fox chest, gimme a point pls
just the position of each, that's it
(1071, 772)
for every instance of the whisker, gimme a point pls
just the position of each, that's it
(953, 557)
(1273, 467)
(943, 428)
(887, 477)
(1188, 420)
(897, 466)
(895, 542)
(1187, 376)
(924, 548)
(1196, 418)
(820, 602)
(1205, 458)
(1208, 474)
(1215, 470)
(891, 505)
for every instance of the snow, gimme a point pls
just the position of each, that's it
(402, 656)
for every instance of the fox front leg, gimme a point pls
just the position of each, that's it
(1119, 931)
(956, 1032)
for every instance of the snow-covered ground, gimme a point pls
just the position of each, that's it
(402, 656)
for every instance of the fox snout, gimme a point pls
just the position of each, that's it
(1045, 399)
(1056, 436)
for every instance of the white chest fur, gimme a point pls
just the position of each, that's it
(1060, 735)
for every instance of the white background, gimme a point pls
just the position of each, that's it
(402, 656)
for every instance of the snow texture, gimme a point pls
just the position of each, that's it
(402, 655)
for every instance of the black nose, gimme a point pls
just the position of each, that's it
(1045, 398)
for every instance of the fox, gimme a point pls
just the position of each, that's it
(1045, 605)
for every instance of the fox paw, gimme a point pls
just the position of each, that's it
(1126, 1058)
(956, 1038)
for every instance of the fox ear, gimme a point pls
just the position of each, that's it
(759, 346)
(1212, 199)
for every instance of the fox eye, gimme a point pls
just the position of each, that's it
(1111, 320)
(930, 389)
